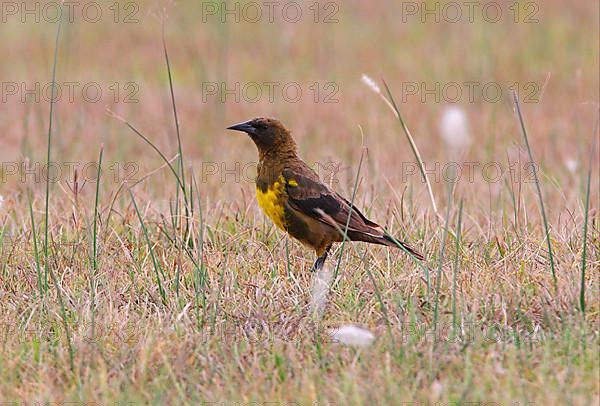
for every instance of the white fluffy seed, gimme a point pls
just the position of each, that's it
(352, 335)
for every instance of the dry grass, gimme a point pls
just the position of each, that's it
(235, 321)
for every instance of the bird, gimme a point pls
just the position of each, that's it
(292, 195)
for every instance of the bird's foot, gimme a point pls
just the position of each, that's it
(318, 264)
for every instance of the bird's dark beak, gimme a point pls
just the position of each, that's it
(244, 127)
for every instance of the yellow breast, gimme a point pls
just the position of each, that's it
(272, 202)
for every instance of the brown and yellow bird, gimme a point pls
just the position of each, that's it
(295, 199)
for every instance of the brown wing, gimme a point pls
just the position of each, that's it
(308, 195)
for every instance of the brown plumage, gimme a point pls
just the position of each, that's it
(293, 196)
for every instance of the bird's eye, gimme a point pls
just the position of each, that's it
(261, 126)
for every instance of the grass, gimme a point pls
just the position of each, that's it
(539, 191)
(455, 267)
(345, 230)
(585, 224)
(169, 285)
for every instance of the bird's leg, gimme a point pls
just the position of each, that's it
(321, 260)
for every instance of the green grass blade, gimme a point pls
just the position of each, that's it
(413, 147)
(154, 147)
(48, 267)
(438, 282)
(157, 268)
(181, 168)
(199, 270)
(585, 225)
(179, 147)
(539, 191)
(36, 251)
(287, 257)
(345, 231)
(95, 247)
(455, 267)
(49, 153)
(384, 310)
(63, 313)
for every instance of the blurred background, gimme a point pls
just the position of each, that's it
(303, 63)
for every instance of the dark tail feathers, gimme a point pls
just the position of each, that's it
(393, 242)
(385, 239)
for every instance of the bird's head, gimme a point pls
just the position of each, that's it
(268, 134)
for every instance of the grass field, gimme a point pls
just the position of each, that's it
(163, 283)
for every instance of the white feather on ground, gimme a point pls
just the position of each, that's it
(352, 335)
(320, 290)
